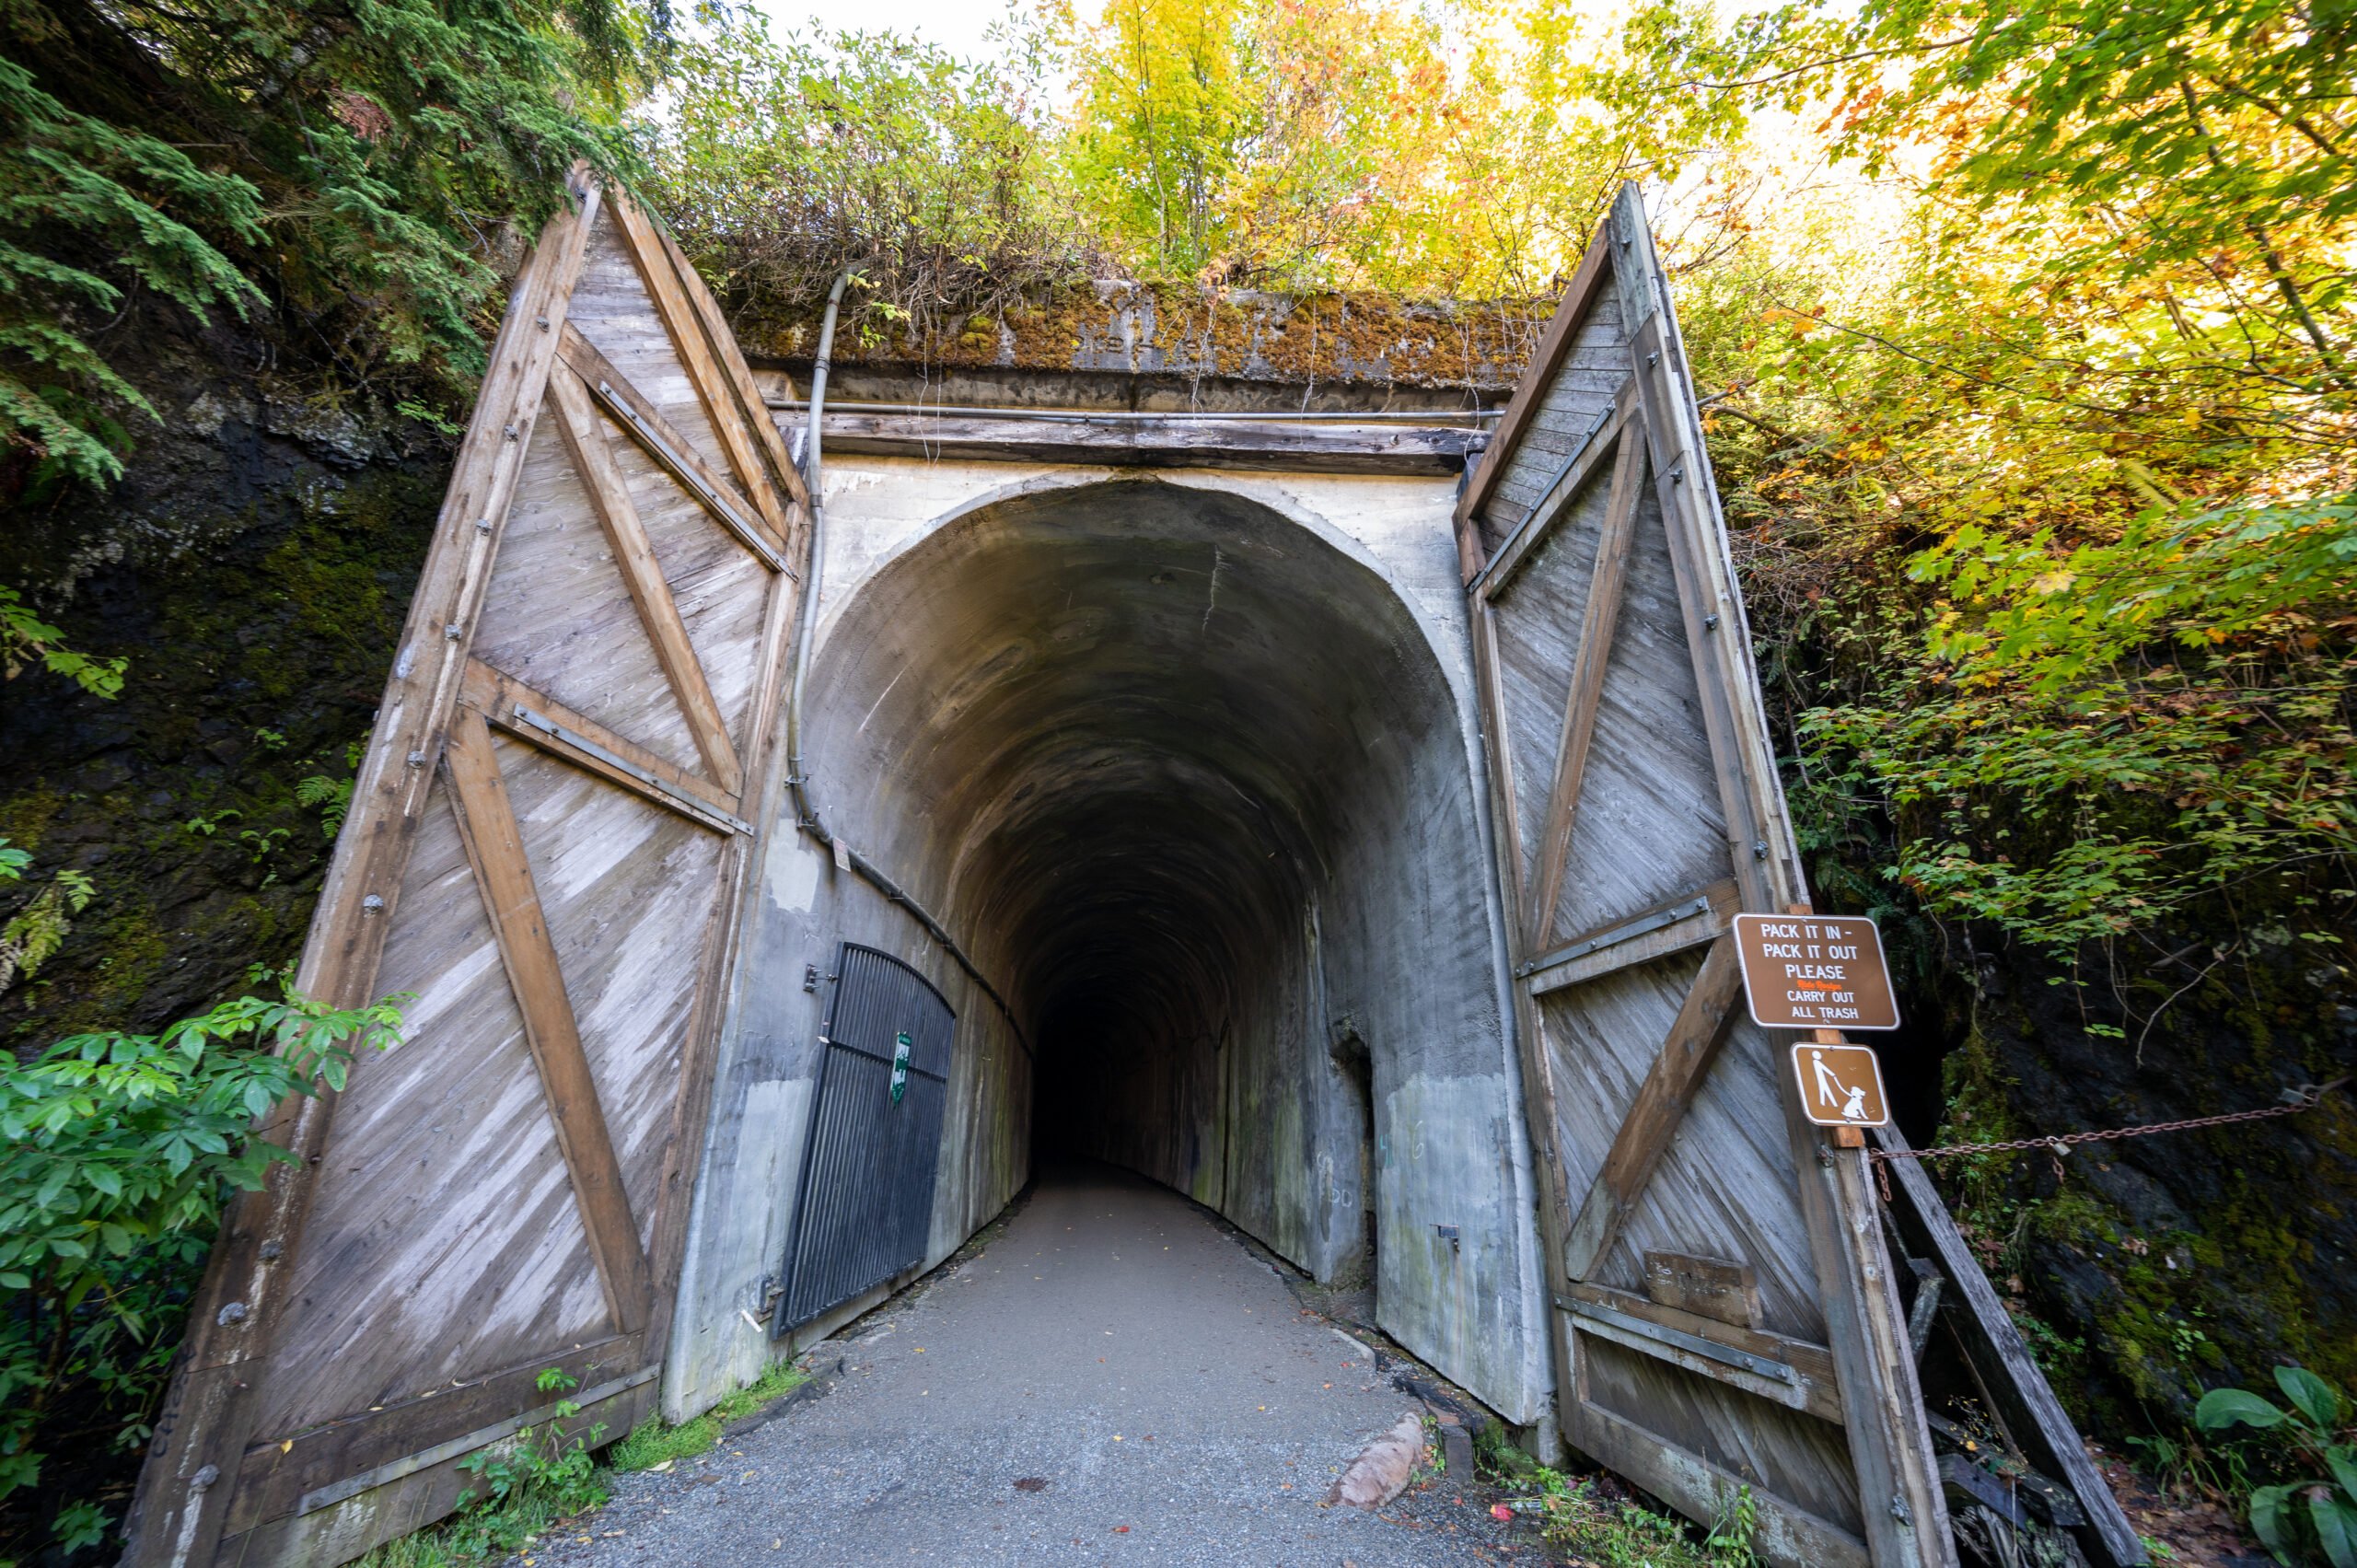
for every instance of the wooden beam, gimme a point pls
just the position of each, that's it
(1694, 1040)
(670, 292)
(2016, 1388)
(723, 976)
(1586, 693)
(1687, 920)
(739, 374)
(644, 423)
(495, 849)
(585, 437)
(1705, 1493)
(1814, 1388)
(207, 1416)
(417, 1491)
(498, 697)
(1152, 443)
(1555, 347)
(280, 1471)
(1517, 546)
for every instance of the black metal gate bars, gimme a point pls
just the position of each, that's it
(864, 1203)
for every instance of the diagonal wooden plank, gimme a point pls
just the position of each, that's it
(540, 719)
(644, 423)
(1694, 1040)
(586, 438)
(1600, 445)
(739, 374)
(1596, 267)
(1588, 661)
(670, 293)
(495, 849)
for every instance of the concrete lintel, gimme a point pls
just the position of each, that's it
(1152, 443)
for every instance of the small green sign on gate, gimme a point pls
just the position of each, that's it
(899, 1065)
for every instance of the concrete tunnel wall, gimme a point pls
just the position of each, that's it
(1187, 763)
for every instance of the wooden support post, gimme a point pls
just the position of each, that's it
(495, 849)
(586, 438)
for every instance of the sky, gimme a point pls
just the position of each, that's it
(954, 25)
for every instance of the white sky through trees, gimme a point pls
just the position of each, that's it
(958, 26)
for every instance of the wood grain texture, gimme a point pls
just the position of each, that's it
(625, 888)
(407, 1286)
(668, 286)
(1660, 1105)
(1578, 303)
(587, 438)
(557, 617)
(1787, 1455)
(1817, 1391)
(1889, 1440)
(1650, 825)
(619, 317)
(493, 841)
(1537, 618)
(206, 1419)
(276, 1474)
(419, 1306)
(350, 1529)
(1707, 925)
(1587, 691)
(497, 696)
(753, 407)
(1705, 1491)
(654, 436)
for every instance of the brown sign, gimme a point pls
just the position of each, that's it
(1814, 972)
(1840, 1085)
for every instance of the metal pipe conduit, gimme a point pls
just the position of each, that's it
(805, 815)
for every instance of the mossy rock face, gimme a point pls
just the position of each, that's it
(254, 565)
(2145, 1270)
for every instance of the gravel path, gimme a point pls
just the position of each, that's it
(1113, 1379)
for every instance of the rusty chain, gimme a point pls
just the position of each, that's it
(2305, 1097)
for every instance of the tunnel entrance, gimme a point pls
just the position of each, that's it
(1191, 780)
(1271, 829)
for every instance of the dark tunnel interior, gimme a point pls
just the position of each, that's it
(1190, 783)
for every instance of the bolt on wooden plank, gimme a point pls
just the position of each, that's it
(1814, 972)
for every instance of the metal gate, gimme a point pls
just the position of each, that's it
(864, 1204)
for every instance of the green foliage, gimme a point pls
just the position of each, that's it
(1577, 1517)
(36, 929)
(1450, 149)
(117, 1152)
(529, 1481)
(653, 1443)
(354, 166)
(2154, 717)
(25, 637)
(2316, 1516)
(781, 162)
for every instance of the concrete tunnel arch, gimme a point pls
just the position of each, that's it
(1191, 781)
